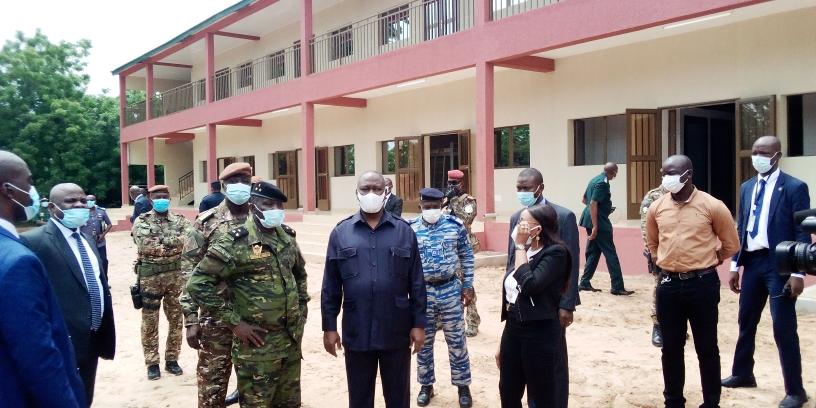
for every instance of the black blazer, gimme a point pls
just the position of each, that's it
(394, 205)
(68, 282)
(541, 280)
(141, 205)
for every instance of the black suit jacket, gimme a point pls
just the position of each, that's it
(141, 205)
(67, 279)
(568, 231)
(394, 205)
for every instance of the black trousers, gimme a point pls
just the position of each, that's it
(529, 354)
(561, 376)
(103, 253)
(760, 281)
(361, 374)
(689, 302)
(87, 373)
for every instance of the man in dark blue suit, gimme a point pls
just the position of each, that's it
(37, 364)
(767, 204)
(373, 269)
(141, 203)
(530, 190)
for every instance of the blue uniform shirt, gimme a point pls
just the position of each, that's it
(445, 248)
(210, 201)
(377, 276)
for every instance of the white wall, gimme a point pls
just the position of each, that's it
(177, 160)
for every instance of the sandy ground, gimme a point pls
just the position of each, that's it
(612, 361)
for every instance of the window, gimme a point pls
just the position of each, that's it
(276, 64)
(600, 140)
(389, 156)
(802, 125)
(503, 4)
(344, 160)
(204, 171)
(395, 25)
(224, 162)
(245, 75)
(441, 18)
(251, 161)
(342, 44)
(512, 146)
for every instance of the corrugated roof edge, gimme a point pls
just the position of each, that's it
(181, 37)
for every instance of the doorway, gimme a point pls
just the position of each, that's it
(286, 176)
(449, 151)
(322, 175)
(410, 170)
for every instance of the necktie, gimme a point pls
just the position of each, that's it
(93, 288)
(760, 198)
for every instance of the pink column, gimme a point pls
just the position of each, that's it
(151, 162)
(149, 92)
(122, 102)
(125, 175)
(483, 12)
(306, 38)
(308, 146)
(210, 80)
(484, 139)
(212, 160)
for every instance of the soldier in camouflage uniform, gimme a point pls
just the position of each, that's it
(211, 337)
(444, 248)
(463, 206)
(265, 272)
(159, 237)
(648, 199)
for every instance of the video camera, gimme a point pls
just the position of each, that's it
(792, 256)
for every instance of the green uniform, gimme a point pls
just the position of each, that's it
(265, 273)
(159, 241)
(598, 190)
(463, 207)
(214, 362)
(648, 199)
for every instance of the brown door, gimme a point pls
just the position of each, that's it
(756, 117)
(409, 175)
(286, 177)
(322, 176)
(464, 159)
(643, 156)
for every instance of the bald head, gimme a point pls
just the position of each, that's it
(12, 167)
(64, 196)
(533, 174)
(611, 170)
(15, 183)
(768, 144)
(676, 165)
(371, 182)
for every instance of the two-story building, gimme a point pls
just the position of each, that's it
(415, 88)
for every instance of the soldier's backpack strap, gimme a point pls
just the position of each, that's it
(238, 232)
(287, 229)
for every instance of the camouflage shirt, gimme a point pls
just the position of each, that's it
(648, 199)
(267, 277)
(160, 239)
(463, 207)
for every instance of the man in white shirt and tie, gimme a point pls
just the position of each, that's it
(767, 204)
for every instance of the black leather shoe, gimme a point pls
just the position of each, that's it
(231, 399)
(657, 336)
(153, 372)
(588, 288)
(425, 394)
(793, 401)
(622, 292)
(465, 400)
(172, 367)
(739, 382)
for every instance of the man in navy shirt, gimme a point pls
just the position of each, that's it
(213, 199)
(373, 269)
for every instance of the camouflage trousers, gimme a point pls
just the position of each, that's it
(445, 304)
(654, 298)
(471, 313)
(157, 290)
(214, 363)
(269, 383)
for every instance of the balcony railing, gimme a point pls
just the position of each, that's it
(507, 8)
(277, 67)
(179, 98)
(135, 113)
(402, 26)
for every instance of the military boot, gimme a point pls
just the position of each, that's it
(465, 400)
(657, 336)
(172, 367)
(232, 398)
(153, 372)
(426, 392)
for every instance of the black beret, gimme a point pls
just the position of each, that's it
(268, 190)
(430, 194)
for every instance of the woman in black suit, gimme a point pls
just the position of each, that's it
(530, 297)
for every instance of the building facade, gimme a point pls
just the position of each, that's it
(416, 88)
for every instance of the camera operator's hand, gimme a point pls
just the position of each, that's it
(797, 285)
(734, 281)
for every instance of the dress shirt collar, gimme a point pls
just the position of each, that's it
(4, 224)
(771, 178)
(691, 196)
(63, 229)
(386, 217)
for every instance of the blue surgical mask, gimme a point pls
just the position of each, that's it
(527, 198)
(271, 218)
(91, 203)
(74, 217)
(161, 205)
(238, 193)
(32, 209)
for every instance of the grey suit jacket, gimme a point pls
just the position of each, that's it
(568, 231)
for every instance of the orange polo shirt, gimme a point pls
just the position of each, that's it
(696, 234)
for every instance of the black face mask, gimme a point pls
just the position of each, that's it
(453, 191)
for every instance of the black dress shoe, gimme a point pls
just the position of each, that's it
(657, 336)
(588, 288)
(465, 400)
(425, 394)
(739, 382)
(793, 401)
(622, 292)
(153, 372)
(172, 367)
(232, 399)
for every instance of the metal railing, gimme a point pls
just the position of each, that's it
(277, 67)
(186, 185)
(135, 112)
(507, 8)
(402, 26)
(179, 98)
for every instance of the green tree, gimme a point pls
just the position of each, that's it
(47, 119)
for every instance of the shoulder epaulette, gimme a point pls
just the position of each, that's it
(204, 216)
(238, 232)
(287, 229)
(344, 219)
(101, 208)
(456, 220)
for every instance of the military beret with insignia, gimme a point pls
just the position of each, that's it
(266, 189)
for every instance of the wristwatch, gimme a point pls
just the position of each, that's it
(521, 247)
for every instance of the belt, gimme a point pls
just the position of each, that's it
(690, 274)
(440, 282)
(758, 252)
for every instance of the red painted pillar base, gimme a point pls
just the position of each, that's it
(484, 140)
(308, 146)
(212, 159)
(151, 162)
(124, 173)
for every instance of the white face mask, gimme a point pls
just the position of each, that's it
(514, 235)
(432, 216)
(762, 164)
(673, 184)
(371, 203)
